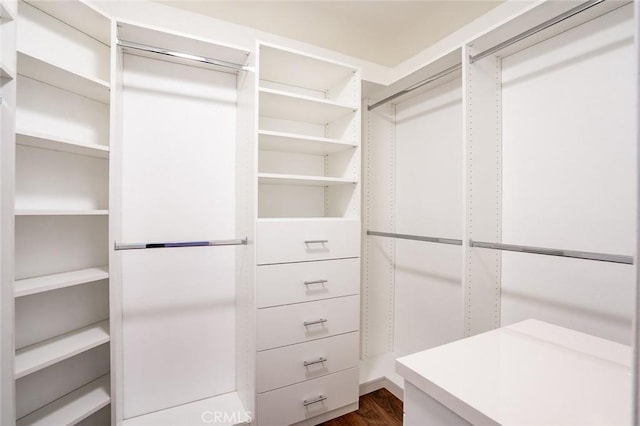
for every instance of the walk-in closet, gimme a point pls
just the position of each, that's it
(208, 216)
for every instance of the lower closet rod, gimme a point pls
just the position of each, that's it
(416, 238)
(601, 257)
(138, 246)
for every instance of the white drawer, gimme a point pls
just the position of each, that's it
(307, 281)
(285, 325)
(287, 405)
(303, 240)
(296, 363)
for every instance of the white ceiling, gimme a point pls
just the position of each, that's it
(383, 32)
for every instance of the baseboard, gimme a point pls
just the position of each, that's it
(385, 383)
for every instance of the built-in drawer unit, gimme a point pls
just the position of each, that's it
(308, 399)
(281, 241)
(284, 366)
(307, 281)
(290, 324)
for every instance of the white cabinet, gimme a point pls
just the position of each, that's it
(307, 237)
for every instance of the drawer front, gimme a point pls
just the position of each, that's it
(286, 325)
(304, 240)
(296, 363)
(287, 405)
(307, 281)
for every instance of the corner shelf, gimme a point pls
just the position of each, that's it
(65, 79)
(52, 212)
(36, 139)
(282, 179)
(73, 407)
(291, 142)
(41, 355)
(290, 106)
(28, 286)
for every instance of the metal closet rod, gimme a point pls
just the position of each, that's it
(139, 246)
(416, 238)
(187, 56)
(601, 257)
(528, 33)
(416, 86)
(586, 255)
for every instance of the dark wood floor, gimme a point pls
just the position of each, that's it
(379, 408)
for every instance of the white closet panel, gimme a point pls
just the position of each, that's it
(178, 184)
(569, 176)
(428, 202)
(179, 326)
(178, 148)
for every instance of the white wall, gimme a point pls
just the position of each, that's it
(569, 177)
(428, 197)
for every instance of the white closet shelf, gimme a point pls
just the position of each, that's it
(80, 15)
(282, 179)
(55, 212)
(62, 78)
(27, 286)
(305, 219)
(37, 139)
(41, 355)
(300, 69)
(290, 106)
(73, 407)
(290, 142)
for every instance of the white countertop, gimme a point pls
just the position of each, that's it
(529, 373)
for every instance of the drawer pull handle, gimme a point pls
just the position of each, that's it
(317, 361)
(318, 321)
(315, 282)
(319, 398)
(316, 241)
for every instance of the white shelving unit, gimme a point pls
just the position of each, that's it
(61, 212)
(41, 355)
(308, 141)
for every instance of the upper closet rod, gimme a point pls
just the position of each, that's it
(138, 246)
(187, 56)
(528, 33)
(602, 257)
(416, 86)
(417, 238)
